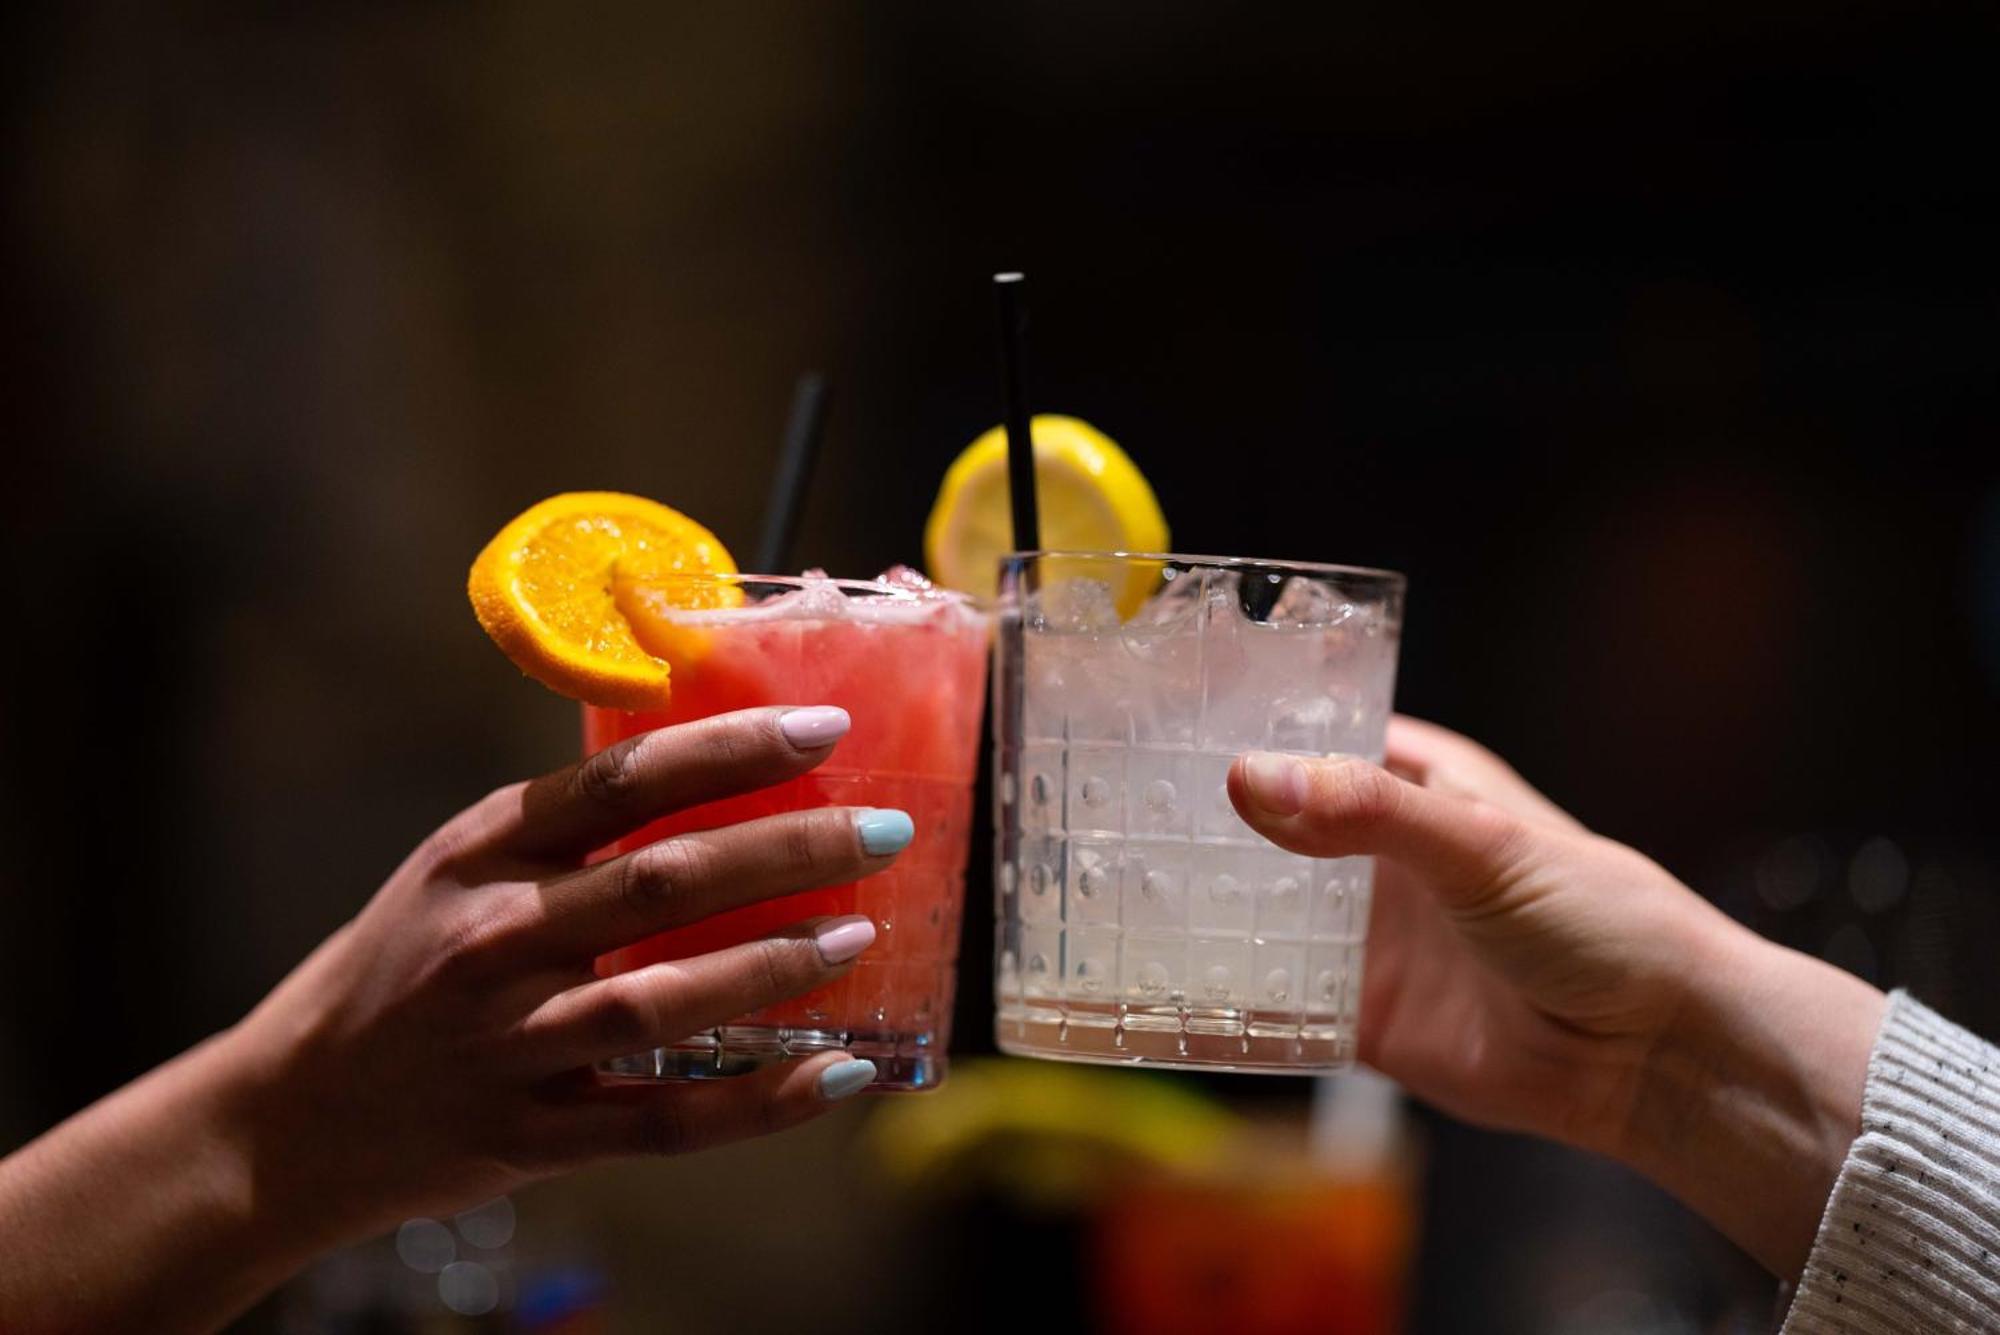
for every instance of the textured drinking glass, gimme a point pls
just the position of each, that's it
(909, 667)
(1139, 920)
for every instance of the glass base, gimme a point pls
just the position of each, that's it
(903, 1062)
(1170, 1039)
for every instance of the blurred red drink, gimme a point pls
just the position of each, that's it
(1318, 1255)
(909, 667)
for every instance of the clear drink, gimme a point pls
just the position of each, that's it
(909, 665)
(1139, 920)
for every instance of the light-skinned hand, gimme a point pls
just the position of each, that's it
(1523, 973)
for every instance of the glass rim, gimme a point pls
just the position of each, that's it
(865, 587)
(1369, 574)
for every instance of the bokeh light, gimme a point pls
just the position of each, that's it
(469, 1288)
(488, 1226)
(425, 1245)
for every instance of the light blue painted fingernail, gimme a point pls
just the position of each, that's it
(841, 1079)
(884, 830)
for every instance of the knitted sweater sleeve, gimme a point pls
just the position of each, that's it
(1910, 1240)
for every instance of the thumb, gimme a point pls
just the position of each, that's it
(1342, 806)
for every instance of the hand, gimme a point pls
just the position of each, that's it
(438, 1049)
(1525, 974)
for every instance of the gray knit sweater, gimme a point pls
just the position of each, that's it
(1911, 1236)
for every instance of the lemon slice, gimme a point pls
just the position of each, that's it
(1092, 498)
(1049, 1132)
(554, 588)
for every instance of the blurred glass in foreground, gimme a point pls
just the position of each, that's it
(1160, 1210)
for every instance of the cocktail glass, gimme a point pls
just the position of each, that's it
(1139, 920)
(909, 666)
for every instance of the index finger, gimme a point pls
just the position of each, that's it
(585, 806)
(1450, 762)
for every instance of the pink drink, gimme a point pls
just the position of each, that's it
(910, 668)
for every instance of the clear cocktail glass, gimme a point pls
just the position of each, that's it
(1139, 920)
(909, 666)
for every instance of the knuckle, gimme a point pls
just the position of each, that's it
(730, 741)
(1508, 839)
(1487, 770)
(778, 967)
(1504, 849)
(475, 936)
(660, 875)
(497, 807)
(625, 1017)
(1478, 753)
(809, 847)
(442, 854)
(610, 779)
(1363, 797)
(447, 849)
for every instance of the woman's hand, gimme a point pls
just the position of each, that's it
(1526, 974)
(438, 1049)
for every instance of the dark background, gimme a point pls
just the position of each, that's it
(1657, 346)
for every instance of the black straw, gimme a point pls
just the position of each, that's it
(1010, 298)
(803, 430)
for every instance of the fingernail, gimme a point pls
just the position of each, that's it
(884, 830)
(810, 729)
(841, 1079)
(1276, 783)
(841, 939)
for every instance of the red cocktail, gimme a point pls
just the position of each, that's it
(908, 664)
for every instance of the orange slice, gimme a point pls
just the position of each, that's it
(552, 587)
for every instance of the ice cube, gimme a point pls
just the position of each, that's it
(1304, 722)
(1176, 602)
(817, 595)
(1306, 601)
(1074, 606)
(906, 578)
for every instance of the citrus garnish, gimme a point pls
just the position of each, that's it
(650, 604)
(1048, 1130)
(1091, 496)
(553, 589)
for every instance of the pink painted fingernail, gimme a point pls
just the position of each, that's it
(810, 729)
(841, 939)
(1276, 783)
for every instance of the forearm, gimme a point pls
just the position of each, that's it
(144, 1212)
(1753, 1096)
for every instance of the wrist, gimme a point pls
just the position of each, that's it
(278, 1143)
(1757, 1079)
(196, 1241)
(252, 1227)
